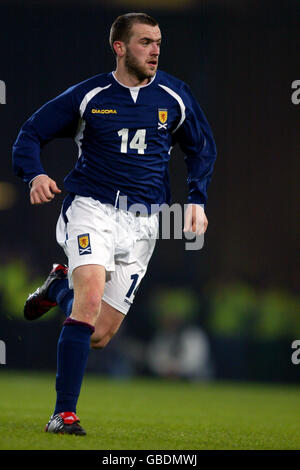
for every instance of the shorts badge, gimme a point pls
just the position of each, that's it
(84, 244)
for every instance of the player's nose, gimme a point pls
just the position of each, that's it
(155, 49)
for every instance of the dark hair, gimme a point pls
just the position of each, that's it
(121, 27)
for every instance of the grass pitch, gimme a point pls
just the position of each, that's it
(151, 414)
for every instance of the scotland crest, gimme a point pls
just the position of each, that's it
(84, 244)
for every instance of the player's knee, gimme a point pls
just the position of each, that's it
(86, 307)
(88, 284)
(99, 342)
(92, 301)
(91, 291)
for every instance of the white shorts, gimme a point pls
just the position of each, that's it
(91, 232)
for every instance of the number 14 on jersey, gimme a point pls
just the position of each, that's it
(137, 142)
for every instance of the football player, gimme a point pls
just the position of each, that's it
(125, 124)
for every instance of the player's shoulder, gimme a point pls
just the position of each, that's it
(174, 84)
(97, 81)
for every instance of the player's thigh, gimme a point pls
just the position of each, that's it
(107, 325)
(122, 287)
(88, 282)
(87, 234)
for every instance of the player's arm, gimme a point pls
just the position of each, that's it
(196, 141)
(57, 118)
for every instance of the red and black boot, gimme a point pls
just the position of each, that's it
(37, 304)
(65, 423)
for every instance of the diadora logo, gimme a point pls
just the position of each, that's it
(104, 111)
(163, 117)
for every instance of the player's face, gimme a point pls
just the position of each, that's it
(142, 51)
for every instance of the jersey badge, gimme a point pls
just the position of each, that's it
(162, 117)
(84, 244)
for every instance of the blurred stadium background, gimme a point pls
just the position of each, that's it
(230, 310)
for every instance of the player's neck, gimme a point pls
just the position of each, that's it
(130, 80)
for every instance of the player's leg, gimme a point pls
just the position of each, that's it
(89, 247)
(88, 283)
(56, 291)
(120, 289)
(119, 293)
(74, 341)
(107, 325)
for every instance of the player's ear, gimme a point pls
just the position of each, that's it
(119, 48)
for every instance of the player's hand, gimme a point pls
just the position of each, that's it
(195, 219)
(43, 189)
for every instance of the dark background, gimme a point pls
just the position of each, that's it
(240, 59)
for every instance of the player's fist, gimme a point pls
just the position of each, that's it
(43, 189)
(195, 219)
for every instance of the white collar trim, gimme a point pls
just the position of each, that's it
(133, 88)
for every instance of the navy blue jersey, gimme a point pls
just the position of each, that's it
(124, 137)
